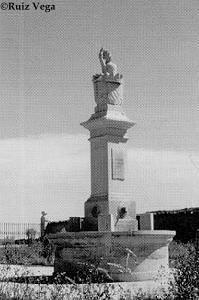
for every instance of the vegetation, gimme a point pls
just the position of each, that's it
(31, 233)
(185, 261)
(35, 253)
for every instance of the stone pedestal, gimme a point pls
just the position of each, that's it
(108, 91)
(106, 223)
(109, 192)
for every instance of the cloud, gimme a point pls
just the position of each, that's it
(52, 173)
(164, 179)
(44, 173)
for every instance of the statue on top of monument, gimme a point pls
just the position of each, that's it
(109, 69)
(108, 84)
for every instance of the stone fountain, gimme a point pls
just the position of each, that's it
(108, 234)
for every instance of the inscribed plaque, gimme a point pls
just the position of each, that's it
(117, 161)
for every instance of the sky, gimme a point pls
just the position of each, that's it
(46, 65)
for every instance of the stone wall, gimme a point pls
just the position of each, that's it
(185, 222)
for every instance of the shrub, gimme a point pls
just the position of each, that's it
(185, 261)
(31, 233)
(24, 255)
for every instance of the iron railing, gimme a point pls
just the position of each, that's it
(14, 231)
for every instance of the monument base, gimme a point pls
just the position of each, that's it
(97, 211)
(122, 256)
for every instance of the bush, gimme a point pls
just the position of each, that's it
(33, 254)
(186, 274)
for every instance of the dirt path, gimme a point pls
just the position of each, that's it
(19, 270)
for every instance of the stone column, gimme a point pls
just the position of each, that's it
(110, 202)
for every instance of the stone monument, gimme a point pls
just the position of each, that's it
(108, 234)
(110, 204)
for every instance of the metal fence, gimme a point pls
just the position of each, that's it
(15, 231)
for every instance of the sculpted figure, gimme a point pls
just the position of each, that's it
(108, 84)
(109, 69)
